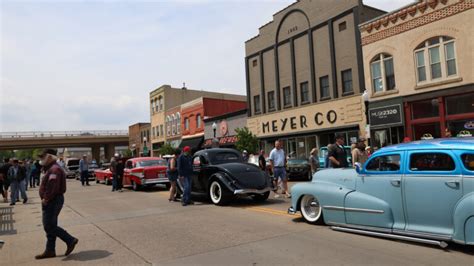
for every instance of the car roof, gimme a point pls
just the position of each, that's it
(141, 159)
(215, 150)
(466, 143)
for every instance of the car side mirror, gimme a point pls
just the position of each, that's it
(358, 167)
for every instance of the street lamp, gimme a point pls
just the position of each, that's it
(215, 141)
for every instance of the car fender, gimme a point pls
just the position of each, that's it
(328, 194)
(464, 220)
(221, 177)
(364, 209)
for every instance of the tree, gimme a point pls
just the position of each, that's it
(246, 140)
(127, 153)
(167, 148)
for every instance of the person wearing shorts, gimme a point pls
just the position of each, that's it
(172, 173)
(278, 163)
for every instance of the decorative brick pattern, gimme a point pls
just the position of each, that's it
(418, 22)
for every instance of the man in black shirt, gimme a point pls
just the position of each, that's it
(4, 182)
(338, 156)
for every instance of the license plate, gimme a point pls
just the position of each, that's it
(161, 175)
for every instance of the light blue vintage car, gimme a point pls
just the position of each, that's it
(420, 191)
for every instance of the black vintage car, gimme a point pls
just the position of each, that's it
(222, 174)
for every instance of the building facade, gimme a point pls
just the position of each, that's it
(418, 71)
(173, 126)
(221, 129)
(305, 75)
(139, 138)
(165, 98)
(194, 113)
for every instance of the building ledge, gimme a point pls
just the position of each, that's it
(438, 83)
(384, 93)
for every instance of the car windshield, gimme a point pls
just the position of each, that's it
(151, 163)
(72, 162)
(297, 161)
(226, 157)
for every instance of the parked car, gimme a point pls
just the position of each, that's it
(91, 172)
(298, 168)
(323, 153)
(421, 191)
(221, 174)
(71, 167)
(144, 172)
(103, 174)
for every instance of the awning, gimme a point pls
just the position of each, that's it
(194, 143)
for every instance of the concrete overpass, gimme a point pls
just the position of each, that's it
(65, 139)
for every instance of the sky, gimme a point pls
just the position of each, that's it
(90, 65)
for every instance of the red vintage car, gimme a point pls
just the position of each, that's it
(103, 175)
(145, 171)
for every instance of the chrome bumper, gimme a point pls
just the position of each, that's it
(152, 181)
(251, 191)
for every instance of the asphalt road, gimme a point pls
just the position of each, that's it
(134, 228)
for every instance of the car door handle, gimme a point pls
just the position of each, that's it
(395, 182)
(452, 183)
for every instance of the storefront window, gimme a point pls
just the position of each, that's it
(301, 149)
(426, 130)
(460, 104)
(424, 109)
(460, 127)
(291, 148)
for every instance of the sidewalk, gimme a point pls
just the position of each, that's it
(21, 229)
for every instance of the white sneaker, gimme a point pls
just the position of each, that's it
(277, 196)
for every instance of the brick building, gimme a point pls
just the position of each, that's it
(139, 138)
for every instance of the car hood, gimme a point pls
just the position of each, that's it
(245, 174)
(342, 176)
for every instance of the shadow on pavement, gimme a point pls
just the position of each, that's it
(6, 221)
(88, 255)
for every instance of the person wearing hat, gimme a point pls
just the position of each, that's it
(185, 171)
(17, 176)
(359, 154)
(338, 156)
(84, 170)
(52, 189)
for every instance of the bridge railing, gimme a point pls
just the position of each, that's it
(62, 134)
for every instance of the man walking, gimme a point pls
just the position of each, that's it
(278, 162)
(338, 156)
(120, 168)
(4, 176)
(185, 170)
(17, 176)
(52, 189)
(84, 170)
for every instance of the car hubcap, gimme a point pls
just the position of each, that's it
(310, 208)
(216, 192)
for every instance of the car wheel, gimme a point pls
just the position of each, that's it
(311, 210)
(135, 186)
(106, 181)
(97, 181)
(261, 197)
(219, 194)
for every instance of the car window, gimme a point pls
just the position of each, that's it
(431, 162)
(226, 157)
(129, 164)
(384, 163)
(468, 161)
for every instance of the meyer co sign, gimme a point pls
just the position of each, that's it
(298, 122)
(309, 118)
(387, 115)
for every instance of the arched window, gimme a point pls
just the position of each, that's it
(173, 125)
(160, 103)
(382, 73)
(152, 103)
(168, 125)
(198, 121)
(435, 59)
(178, 123)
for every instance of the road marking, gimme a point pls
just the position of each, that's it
(272, 211)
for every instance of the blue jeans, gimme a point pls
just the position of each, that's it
(114, 182)
(188, 182)
(85, 177)
(50, 223)
(18, 187)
